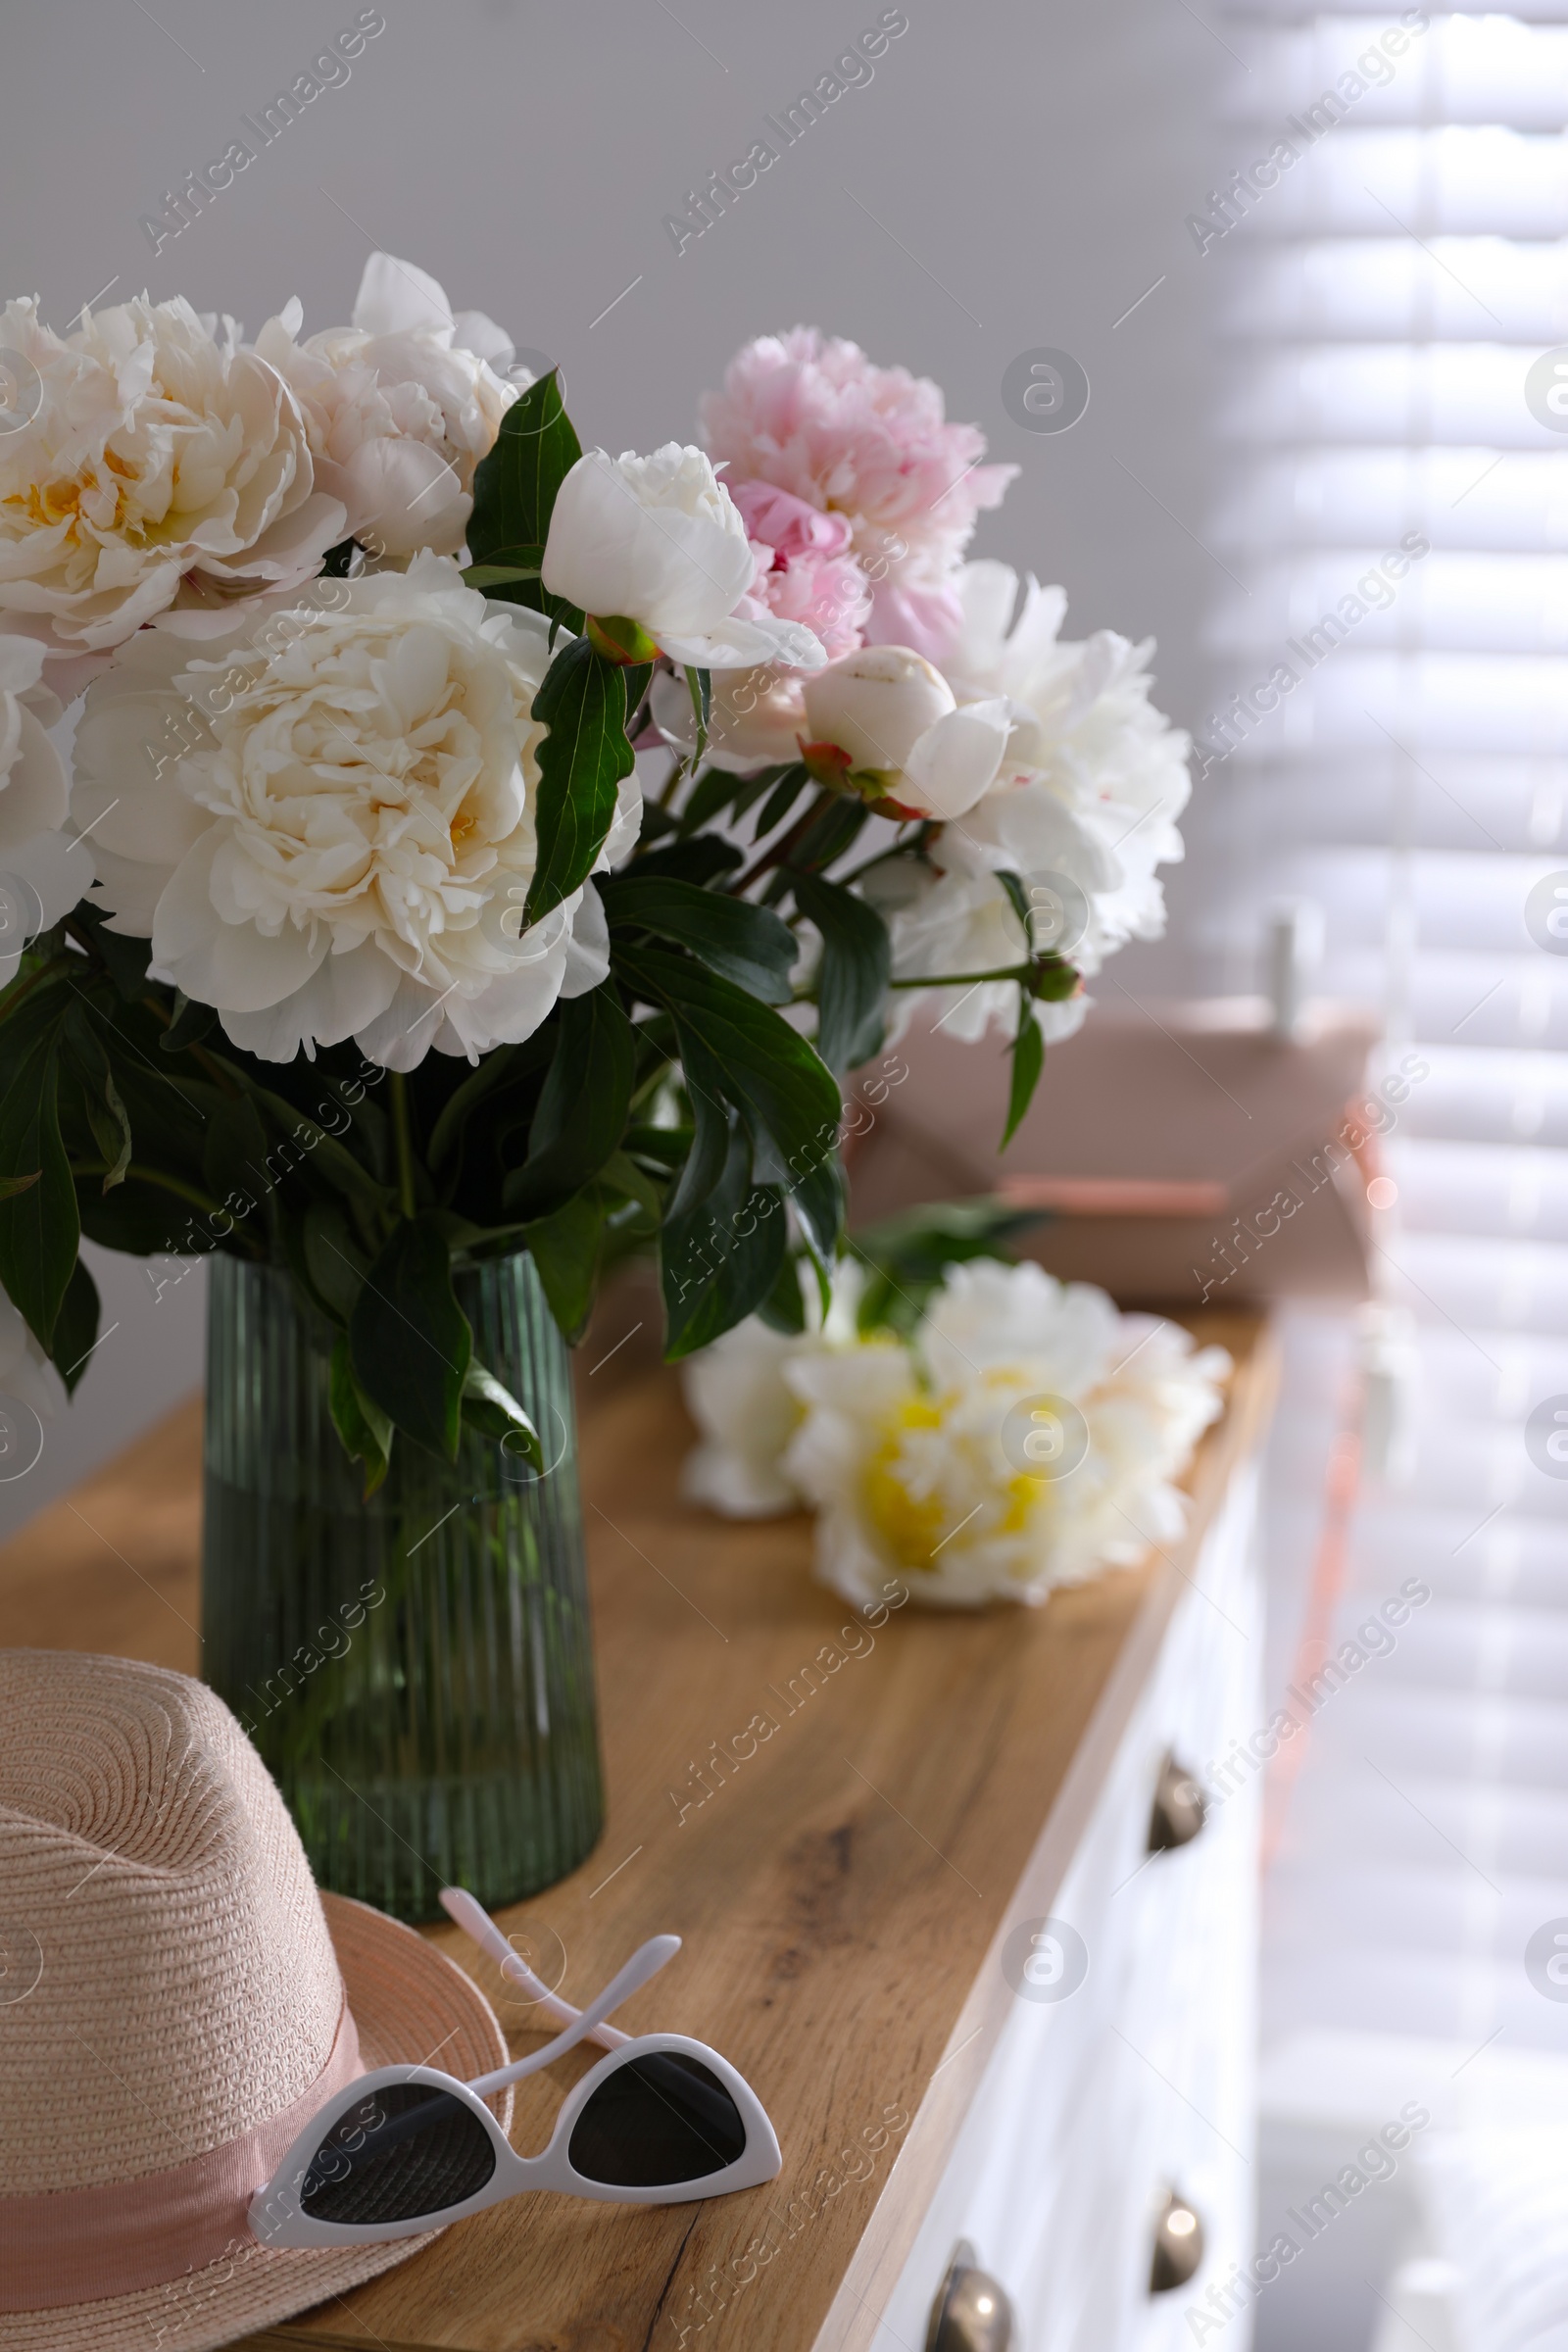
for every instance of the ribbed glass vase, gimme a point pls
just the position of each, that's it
(415, 1670)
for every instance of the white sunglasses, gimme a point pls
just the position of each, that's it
(659, 2121)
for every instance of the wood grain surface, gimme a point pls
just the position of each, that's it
(840, 1890)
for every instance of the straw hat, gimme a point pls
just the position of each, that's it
(175, 1999)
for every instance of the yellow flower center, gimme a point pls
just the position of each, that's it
(911, 1513)
(47, 503)
(910, 1525)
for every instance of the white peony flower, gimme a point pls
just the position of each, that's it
(327, 826)
(159, 465)
(737, 1394)
(399, 407)
(43, 870)
(918, 1458)
(1084, 808)
(660, 541)
(891, 714)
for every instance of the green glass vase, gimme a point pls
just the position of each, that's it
(417, 1670)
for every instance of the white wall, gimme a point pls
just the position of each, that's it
(149, 1355)
(1029, 168)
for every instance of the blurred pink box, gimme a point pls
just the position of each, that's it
(1185, 1156)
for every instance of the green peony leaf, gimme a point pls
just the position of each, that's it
(101, 1102)
(701, 860)
(582, 1112)
(410, 1345)
(1028, 1060)
(721, 1260)
(743, 943)
(190, 1024)
(364, 1429)
(784, 1308)
(718, 790)
(781, 800)
(567, 1248)
(507, 565)
(856, 967)
(515, 495)
(334, 1263)
(581, 760)
(126, 958)
(40, 1227)
(906, 1256)
(748, 1053)
(75, 1331)
(492, 1411)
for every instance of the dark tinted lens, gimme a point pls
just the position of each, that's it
(658, 2120)
(404, 2150)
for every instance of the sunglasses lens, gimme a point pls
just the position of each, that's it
(658, 2120)
(404, 2150)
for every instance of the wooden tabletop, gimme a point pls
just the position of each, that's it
(840, 1893)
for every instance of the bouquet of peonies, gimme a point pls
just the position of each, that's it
(339, 933)
(978, 1433)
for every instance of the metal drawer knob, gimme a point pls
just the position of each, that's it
(1178, 2246)
(971, 2311)
(1179, 1810)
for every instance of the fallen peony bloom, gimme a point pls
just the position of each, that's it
(912, 1459)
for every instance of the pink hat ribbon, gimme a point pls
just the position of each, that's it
(83, 2245)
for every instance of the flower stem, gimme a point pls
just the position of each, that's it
(672, 782)
(136, 1174)
(898, 848)
(85, 940)
(140, 1175)
(405, 1143)
(694, 689)
(1006, 971)
(783, 846)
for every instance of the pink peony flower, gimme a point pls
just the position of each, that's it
(815, 417)
(805, 567)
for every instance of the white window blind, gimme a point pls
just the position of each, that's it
(1381, 304)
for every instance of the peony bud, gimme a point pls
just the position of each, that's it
(658, 541)
(876, 704)
(954, 764)
(892, 714)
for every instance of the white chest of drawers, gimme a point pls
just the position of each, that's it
(1096, 2103)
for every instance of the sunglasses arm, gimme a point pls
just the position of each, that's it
(477, 1925)
(642, 1964)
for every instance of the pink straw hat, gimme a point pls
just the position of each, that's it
(176, 1998)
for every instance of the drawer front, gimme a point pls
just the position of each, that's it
(1190, 2029)
(1093, 2105)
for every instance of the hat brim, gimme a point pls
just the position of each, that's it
(412, 2007)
